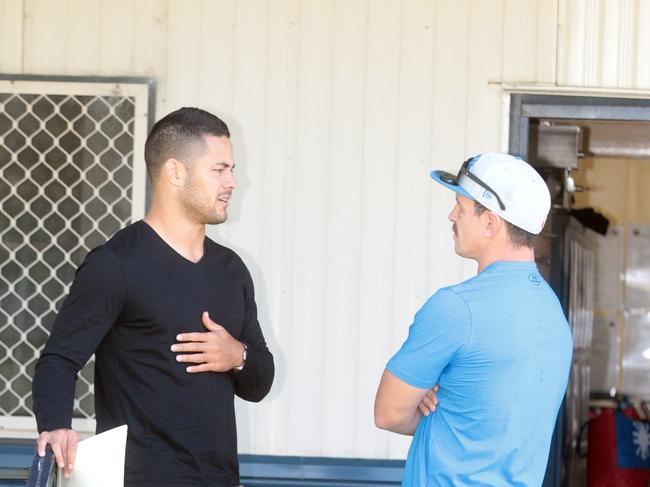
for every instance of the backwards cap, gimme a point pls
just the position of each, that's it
(504, 184)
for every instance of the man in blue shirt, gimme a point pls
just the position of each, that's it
(481, 376)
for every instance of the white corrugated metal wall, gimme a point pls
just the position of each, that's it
(339, 110)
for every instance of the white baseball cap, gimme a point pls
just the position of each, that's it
(504, 184)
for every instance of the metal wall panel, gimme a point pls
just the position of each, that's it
(636, 354)
(11, 36)
(604, 44)
(605, 354)
(339, 109)
(89, 38)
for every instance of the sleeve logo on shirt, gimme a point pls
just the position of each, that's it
(534, 279)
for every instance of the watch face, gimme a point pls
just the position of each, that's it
(243, 358)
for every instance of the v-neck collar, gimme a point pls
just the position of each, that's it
(157, 236)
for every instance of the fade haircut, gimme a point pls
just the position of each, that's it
(518, 236)
(178, 134)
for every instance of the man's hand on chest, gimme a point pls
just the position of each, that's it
(213, 350)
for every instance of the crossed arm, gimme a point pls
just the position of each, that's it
(400, 406)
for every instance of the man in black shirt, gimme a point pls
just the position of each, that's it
(172, 320)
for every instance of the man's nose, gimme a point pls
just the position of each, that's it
(231, 182)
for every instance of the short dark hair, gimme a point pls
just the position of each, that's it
(518, 236)
(179, 133)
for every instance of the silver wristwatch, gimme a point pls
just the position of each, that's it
(244, 354)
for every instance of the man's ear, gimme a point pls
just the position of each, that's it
(493, 224)
(174, 172)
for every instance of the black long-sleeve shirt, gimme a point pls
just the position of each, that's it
(129, 300)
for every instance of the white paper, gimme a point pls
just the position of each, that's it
(99, 461)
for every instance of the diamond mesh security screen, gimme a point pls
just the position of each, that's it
(66, 184)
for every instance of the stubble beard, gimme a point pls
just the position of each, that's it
(200, 211)
(457, 248)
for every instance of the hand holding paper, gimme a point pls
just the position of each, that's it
(99, 461)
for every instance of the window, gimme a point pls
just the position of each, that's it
(71, 174)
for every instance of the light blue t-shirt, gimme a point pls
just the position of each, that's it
(500, 348)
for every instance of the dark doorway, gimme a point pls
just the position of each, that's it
(584, 127)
